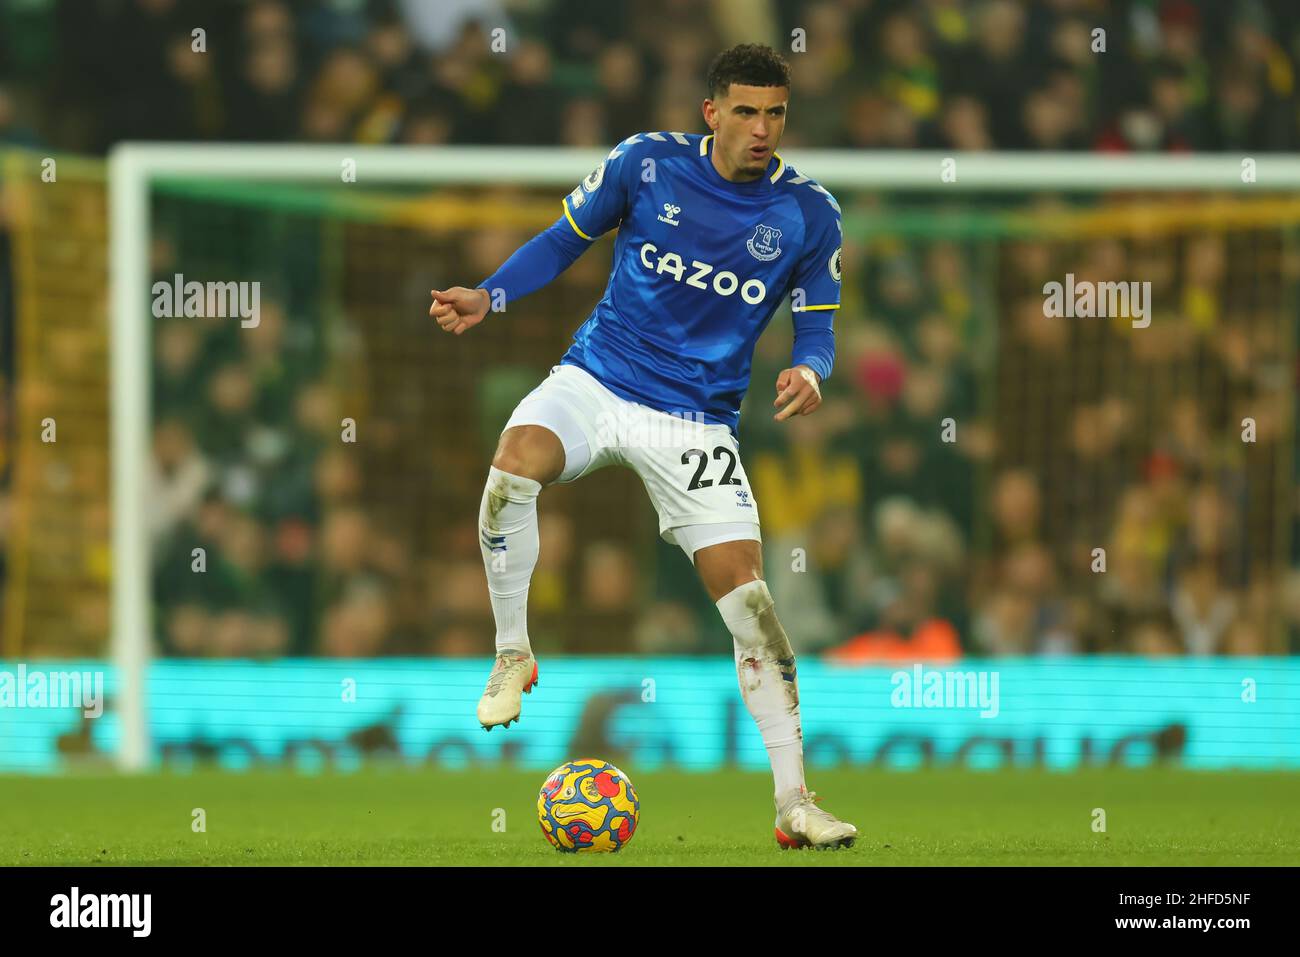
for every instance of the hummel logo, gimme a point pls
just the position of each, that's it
(671, 211)
(743, 496)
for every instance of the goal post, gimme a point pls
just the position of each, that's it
(135, 170)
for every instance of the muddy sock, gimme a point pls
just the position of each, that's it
(509, 542)
(765, 669)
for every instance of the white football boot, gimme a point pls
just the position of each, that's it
(512, 675)
(801, 823)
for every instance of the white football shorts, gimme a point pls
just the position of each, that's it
(691, 469)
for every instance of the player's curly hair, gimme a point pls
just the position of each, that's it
(749, 64)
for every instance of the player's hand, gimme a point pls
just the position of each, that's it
(799, 390)
(458, 308)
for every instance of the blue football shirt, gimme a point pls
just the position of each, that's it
(700, 266)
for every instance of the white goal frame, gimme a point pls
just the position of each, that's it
(134, 167)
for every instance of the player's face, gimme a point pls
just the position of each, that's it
(748, 122)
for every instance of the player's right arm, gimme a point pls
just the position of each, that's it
(458, 308)
(595, 206)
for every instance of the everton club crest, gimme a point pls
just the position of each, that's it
(765, 244)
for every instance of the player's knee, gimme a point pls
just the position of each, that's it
(728, 580)
(515, 463)
(724, 568)
(530, 452)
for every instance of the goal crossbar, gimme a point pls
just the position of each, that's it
(134, 168)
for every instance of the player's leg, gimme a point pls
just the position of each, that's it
(732, 573)
(544, 441)
(697, 482)
(694, 476)
(528, 458)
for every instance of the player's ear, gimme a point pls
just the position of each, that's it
(708, 109)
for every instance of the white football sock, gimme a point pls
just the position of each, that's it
(765, 669)
(507, 523)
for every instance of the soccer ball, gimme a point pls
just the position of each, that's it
(588, 805)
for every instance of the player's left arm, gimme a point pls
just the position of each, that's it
(814, 299)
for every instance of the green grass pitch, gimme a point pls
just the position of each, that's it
(428, 817)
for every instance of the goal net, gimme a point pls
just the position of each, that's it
(277, 454)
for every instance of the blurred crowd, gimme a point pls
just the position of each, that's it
(887, 534)
(867, 74)
(981, 480)
(1086, 488)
